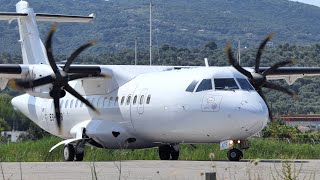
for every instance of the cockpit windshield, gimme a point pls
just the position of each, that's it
(244, 84)
(225, 84)
(205, 85)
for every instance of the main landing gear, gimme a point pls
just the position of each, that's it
(169, 152)
(73, 152)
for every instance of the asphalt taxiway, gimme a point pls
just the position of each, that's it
(263, 169)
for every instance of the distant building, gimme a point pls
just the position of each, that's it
(307, 120)
(13, 136)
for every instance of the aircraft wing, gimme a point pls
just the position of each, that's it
(21, 71)
(291, 74)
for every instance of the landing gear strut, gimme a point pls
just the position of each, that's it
(169, 152)
(73, 152)
(234, 154)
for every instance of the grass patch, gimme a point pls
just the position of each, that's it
(38, 151)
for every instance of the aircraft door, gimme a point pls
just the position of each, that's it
(44, 118)
(141, 100)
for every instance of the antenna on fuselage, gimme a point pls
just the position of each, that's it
(206, 62)
(239, 51)
(150, 33)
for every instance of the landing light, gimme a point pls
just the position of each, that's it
(231, 142)
(238, 141)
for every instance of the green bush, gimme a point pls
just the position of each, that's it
(278, 129)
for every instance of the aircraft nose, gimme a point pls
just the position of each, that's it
(255, 115)
(16, 102)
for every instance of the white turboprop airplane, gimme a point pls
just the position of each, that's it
(135, 107)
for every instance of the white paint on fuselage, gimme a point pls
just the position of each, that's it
(172, 116)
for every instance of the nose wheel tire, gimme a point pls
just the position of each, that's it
(234, 154)
(68, 152)
(168, 152)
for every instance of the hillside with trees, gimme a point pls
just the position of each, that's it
(185, 32)
(179, 23)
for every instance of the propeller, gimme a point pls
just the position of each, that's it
(60, 78)
(259, 79)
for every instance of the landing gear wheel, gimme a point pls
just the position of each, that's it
(164, 152)
(169, 152)
(79, 156)
(174, 155)
(234, 154)
(68, 152)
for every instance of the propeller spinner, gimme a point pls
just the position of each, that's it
(259, 79)
(60, 78)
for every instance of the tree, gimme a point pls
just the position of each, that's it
(211, 45)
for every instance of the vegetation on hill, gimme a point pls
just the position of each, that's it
(179, 23)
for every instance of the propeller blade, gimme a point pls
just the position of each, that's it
(75, 54)
(259, 90)
(233, 62)
(259, 53)
(80, 76)
(77, 95)
(280, 88)
(56, 91)
(276, 66)
(27, 84)
(48, 46)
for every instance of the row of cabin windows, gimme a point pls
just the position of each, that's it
(106, 101)
(220, 84)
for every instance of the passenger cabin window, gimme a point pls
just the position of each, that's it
(244, 84)
(116, 101)
(61, 103)
(191, 87)
(225, 84)
(135, 99)
(105, 101)
(71, 103)
(110, 101)
(141, 99)
(148, 99)
(66, 105)
(77, 101)
(122, 100)
(128, 100)
(205, 85)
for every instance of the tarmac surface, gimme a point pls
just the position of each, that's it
(133, 170)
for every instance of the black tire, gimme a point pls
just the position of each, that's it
(79, 156)
(174, 155)
(164, 152)
(68, 152)
(234, 154)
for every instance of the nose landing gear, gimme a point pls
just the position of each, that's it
(235, 154)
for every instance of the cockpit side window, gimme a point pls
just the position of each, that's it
(244, 84)
(191, 87)
(225, 84)
(205, 85)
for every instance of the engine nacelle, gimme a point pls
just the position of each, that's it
(109, 134)
(36, 72)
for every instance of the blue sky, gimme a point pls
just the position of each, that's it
(313, 2)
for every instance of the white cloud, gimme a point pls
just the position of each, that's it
(312, 2)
